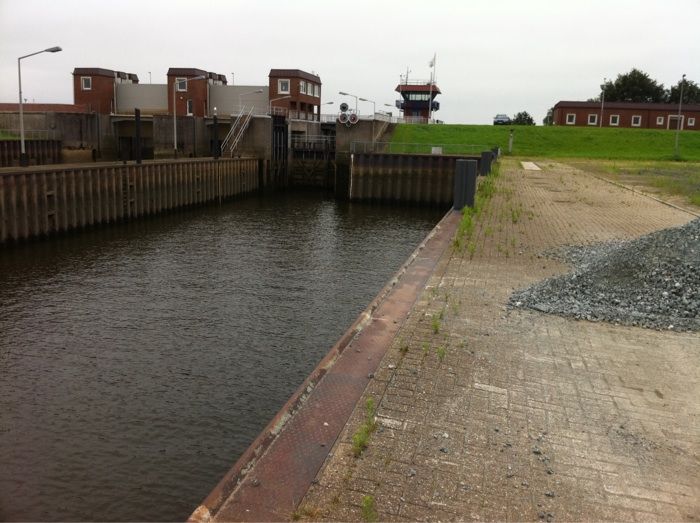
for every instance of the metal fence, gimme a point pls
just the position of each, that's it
(417, 148)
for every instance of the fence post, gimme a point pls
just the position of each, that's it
(465, 184)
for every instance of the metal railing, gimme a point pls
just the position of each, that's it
(314, 141)
(418, 148)
(238, 128)
(382, 117)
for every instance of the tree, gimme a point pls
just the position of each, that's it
(691, 93)
(635, 86)
(549, 119)
(523, 118)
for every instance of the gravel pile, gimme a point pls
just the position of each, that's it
(652, 281)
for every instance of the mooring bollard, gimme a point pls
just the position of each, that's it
(485, 163)
(465, 184)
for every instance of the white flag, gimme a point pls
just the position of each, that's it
(432, 62)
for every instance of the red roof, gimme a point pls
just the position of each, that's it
(627, 105)
(422, 88)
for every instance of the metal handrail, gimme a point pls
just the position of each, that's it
(417, 82)
(313, 139)
(417, 148)
(231, 130)
(244, 127)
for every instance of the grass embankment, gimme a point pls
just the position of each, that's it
(4, 135)
(551, 141)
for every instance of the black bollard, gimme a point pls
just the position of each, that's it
(485, 163)
(465, 184)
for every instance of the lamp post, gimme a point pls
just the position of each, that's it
(240, 103)
(374, 105)
(23, 160)
(348, 94)
(175, 84)
(274, 100)
(678, 122)
(602, 102)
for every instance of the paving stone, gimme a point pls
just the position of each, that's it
(587, 395)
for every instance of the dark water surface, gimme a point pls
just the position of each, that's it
(138, 361)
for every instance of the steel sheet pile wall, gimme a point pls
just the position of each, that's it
(45, 200)
(411, 178)
(39, 151)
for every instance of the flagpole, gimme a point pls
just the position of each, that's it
(430, 96)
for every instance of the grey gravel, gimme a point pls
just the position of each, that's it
(652, 281)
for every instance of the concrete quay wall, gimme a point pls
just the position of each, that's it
(43, 201)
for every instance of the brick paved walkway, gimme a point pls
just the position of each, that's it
(526, 416)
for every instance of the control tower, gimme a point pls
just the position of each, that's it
(417, 99)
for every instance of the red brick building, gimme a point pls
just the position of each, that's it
(626, 114)
(96, 88)
(297, 92)
(191, 90)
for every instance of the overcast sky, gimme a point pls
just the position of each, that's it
(493, 56)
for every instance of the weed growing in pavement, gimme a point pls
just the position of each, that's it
(426, 347)
(403, 347)
(306, 512)
(360, 439)
(436, 325)
(472, 249)
(514, 215)
(441, 353)
(369, 511)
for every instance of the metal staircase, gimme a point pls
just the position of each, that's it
(236, 132)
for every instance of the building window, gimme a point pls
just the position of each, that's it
(659, 120)
(302, 86)
(86, 83)
(317, 91)
(189, 107)
(283, 86)
(181, 84)
(614, 119)
(691, 122)
(592, 119)
(636, 120)
(570, 118)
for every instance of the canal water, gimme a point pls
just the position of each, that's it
(138, 361)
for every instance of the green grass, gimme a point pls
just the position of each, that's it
(369, 510)
(360, 439)
(4, 135)
(551, 141)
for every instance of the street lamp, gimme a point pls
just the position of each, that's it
(678, 122)
(374, 105)
(348, 94)
(175, 84)
(240, 104)
(602, 102)
(275, 99)
(23, 160)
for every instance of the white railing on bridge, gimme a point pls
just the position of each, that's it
(384, 117)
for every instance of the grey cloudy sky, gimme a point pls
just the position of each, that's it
(493, 56)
